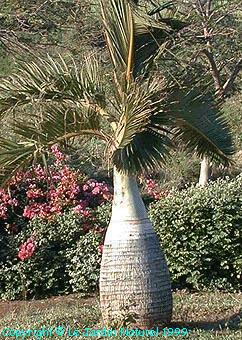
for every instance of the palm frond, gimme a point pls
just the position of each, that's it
(119, 28)
(59, 124)
(53, 80)
(132, 37)
(201, 126)
(15, 156)
(142, 142)
(147, 152)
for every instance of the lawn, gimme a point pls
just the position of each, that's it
(208, 315)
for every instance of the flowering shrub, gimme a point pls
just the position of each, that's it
(45, 215)
(62, 257)
(151, 189)
(46, 193)
(27, 249)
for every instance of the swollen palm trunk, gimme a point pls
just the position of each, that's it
(134, 277)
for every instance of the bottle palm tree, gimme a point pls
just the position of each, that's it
(138, 121)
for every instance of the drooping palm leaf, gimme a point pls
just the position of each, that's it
(59, 124)
(16, 155)
(201, 126)
(147, 152)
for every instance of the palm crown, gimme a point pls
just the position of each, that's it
(138, 121)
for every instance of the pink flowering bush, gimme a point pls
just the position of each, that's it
(46, 194)
(47, 219)
(52, 226)
(152, 190)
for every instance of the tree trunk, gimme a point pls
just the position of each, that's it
(205, 172)
(134, 279)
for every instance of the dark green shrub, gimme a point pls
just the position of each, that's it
(103, 214)
(200, 231)
(53, 269)
(84, 266)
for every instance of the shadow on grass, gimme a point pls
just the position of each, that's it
(231, 323)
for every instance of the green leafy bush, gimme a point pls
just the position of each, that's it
(84, 266)
(66, 259)
(200, 231)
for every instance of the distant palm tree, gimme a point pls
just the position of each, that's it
(138, 121)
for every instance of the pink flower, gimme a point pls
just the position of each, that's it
(96, 191)
(6, 202)
(39, 172)
(82, 205)
(100, 248)
(86, 213)
(59, 156)
(92, 183)
(13, 202)
(77, 209)
(27, 249)
(36, 193)
(150, 183)
(85, 187)
(3, 211)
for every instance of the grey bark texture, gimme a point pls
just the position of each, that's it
(134, 276)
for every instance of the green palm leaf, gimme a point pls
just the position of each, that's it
(142, 142)
(201, 126)
(133, 38)
(15, 156)
(147, 152)
(59, 124)
(53, 80)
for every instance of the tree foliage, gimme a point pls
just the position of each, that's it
(143, 114)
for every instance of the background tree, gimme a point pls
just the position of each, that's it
(211, 47)
(207, 52)
(219, 27)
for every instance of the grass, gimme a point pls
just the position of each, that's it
(205, 315)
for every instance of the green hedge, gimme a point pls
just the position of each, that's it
(66, 260)
(200, 231)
